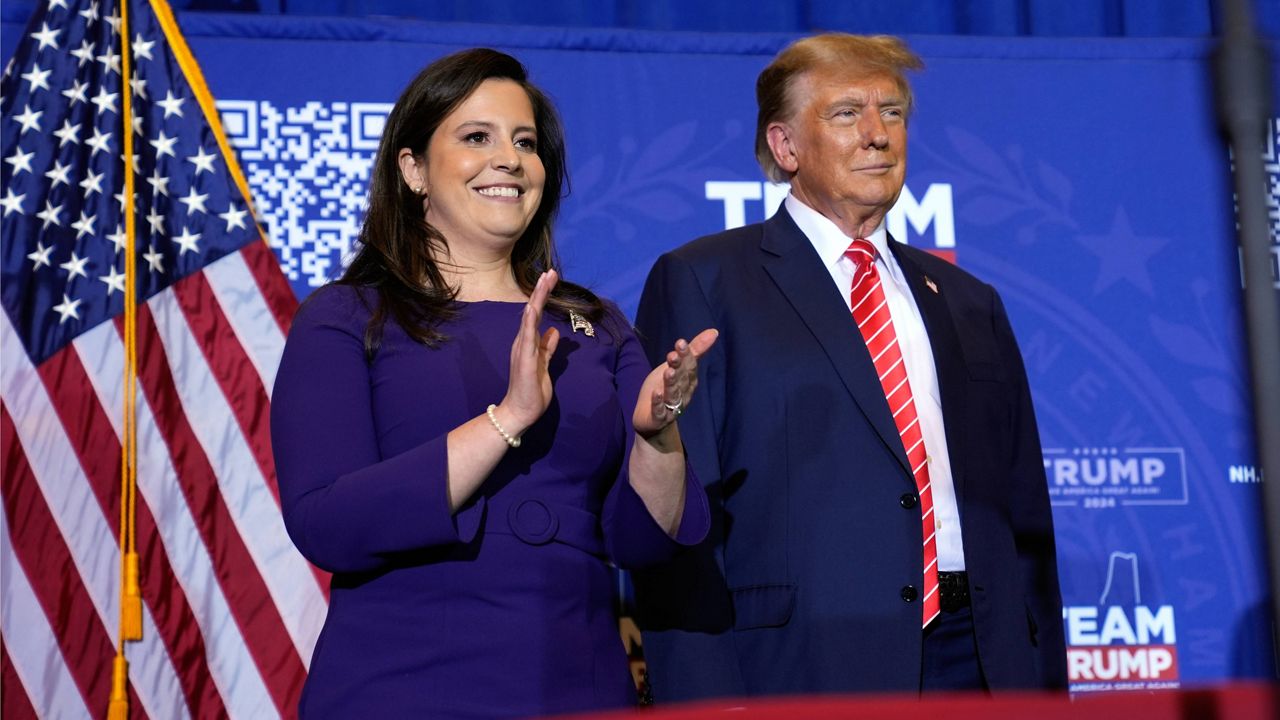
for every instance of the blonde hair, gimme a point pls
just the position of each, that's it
(868, 54)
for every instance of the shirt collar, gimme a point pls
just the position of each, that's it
(827, 239)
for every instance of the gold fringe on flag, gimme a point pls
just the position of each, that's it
(118, 709)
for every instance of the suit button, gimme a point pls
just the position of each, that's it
(909, 593)
(908, 500)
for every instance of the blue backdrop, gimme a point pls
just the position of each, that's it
(1085, 179)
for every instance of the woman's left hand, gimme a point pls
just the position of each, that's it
(669, 388)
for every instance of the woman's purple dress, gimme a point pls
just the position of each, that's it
(506, 608)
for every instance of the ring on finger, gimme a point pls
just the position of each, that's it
(676, 408)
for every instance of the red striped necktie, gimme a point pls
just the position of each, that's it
(871, 313)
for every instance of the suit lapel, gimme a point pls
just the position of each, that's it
(793, 264)
(948, 358)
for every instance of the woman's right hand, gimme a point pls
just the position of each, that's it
(529, 389)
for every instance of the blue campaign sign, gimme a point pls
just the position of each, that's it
(1084, 179)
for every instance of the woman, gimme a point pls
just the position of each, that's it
(464, 440)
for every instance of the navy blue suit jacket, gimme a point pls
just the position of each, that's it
(799, 587)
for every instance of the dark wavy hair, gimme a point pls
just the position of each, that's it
(396, 244)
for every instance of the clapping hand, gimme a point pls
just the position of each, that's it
(529, 389)
(669, 387)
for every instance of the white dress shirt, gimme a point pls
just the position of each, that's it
(917, 354)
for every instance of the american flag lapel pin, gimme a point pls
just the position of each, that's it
(930, 284)
(577, 322)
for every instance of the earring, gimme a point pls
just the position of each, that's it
(417, 189)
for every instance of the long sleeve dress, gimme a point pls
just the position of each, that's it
(506, 607)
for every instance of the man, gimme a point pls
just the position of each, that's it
(865, 431)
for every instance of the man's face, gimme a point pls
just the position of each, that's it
(847, 143)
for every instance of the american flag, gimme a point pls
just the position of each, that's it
(230, 610)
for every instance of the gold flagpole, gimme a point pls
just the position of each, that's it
(130, 595)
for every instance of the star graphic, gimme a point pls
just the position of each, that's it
(50, 214)
(84, 53)
(20, 160)
(120, 200)
(29, 120)
(187, 240)
(12, 202)
(110, 62)
(163, 145)
(98, 142)
(139, 86)
(202, 160)
(159, 183)
(58, 3)
(142, 48)
(46, 37)
(58, 174)
(75, 266)
(75, 93)
(172, 105)
(1123, 255)
(68, 133)
(234, 218)
(91, 13)
(156, 220)
(194, 201)
(114, 21)
(92, 183)
(154, 259)
(67, 309)
(105, 101)
(84, 226)
(119, 239)
(114, 281)
(38, 78)
(41, 255)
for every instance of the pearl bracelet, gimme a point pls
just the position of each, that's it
(512, 441)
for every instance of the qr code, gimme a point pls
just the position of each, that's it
(308, 168)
